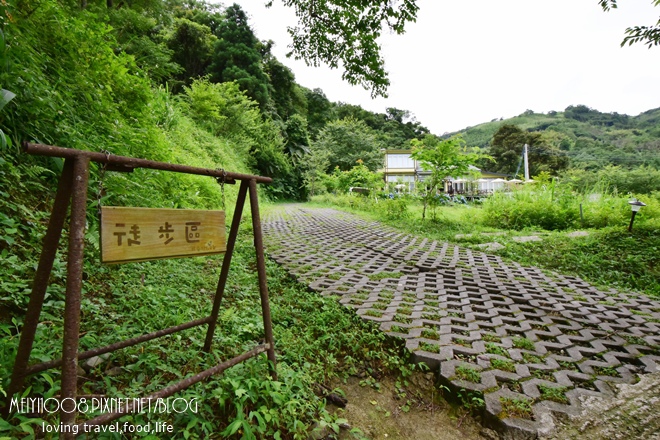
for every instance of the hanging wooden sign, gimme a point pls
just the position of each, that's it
(140, 234)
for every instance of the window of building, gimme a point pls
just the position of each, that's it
(400, 161)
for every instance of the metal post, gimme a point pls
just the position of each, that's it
(226, 263)
(525, 156)
(261, 272)
(73, 289)
(51, 241)
(581, 213)
(632, 220)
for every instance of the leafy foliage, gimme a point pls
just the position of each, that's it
(637, 34)
(506, 148)
(642, 180)
(358, 176)
(191, 44)
(589, 139)
(297, 138)
(346, 32)
(314, 166)
(347, 141)
(236, 56)
(609, 255)
(443, 158)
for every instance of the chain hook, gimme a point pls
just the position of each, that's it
(221, 181)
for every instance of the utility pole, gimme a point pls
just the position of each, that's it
(525, 150)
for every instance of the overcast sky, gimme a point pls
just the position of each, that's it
(470, 61)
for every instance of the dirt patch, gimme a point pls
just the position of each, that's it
(398, 413)
(380, 414)
(631, 414)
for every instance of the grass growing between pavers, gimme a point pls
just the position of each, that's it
(555, 394)
(609, 256)
(467, 373)
(510, 287)
(516, 407)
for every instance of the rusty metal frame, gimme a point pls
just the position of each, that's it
(72, 190)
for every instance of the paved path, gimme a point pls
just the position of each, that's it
(533, 342)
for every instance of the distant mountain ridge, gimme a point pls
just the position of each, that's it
(590, 138)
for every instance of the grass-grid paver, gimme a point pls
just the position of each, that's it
(520, 336)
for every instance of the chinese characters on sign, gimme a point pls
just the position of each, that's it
(137, 234)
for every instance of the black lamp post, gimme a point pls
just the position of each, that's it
(636, 205)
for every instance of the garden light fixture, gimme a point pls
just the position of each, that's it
(636, 205)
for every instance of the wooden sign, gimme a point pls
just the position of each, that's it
(140, 234)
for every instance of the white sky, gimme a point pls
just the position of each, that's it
(469, 61)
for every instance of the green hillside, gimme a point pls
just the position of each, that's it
(589, 138)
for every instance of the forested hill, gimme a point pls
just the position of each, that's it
(173, 80)
(588, 138)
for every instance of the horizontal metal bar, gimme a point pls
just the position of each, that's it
(119, 168)
(117, 345)
(174, 388)
(131, 162)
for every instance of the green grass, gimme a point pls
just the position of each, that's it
(430, 334)
(523, 343)
(496, 349)
(431, 348)
(512, 407)
(532, 359)
(504, 365)
(383, 275)
(556, 394)
(490, 337)
(608, 257)
(469, 374)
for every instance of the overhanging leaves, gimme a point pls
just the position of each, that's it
(636, 34)
(346, 32)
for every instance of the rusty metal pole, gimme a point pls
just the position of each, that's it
(261, 273)
(73, 292)
(40, 283)
(226, 263)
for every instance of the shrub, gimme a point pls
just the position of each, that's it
(550, 207)
(396, 208)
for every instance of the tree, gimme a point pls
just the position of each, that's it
(237, 56)
(319, 111)
(506, 149)
(191, 45)
(401, 127)
(358, 176)
(347, 141)
(314, 166)
(138, 35)
(395, 128)
(346, 32)
(297, 138)
(637, 34)
(287, 96)
(442, 158)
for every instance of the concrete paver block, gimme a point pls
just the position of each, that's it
(519, 336)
